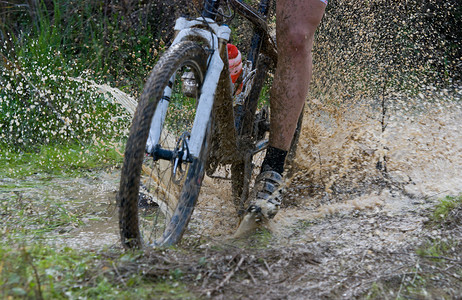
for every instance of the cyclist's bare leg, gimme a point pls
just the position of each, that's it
(296, 23)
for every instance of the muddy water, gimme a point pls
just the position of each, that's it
(94, 198)
(338, 173)
(88, 200)
(336, 178)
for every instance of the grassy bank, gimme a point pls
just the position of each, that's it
(39, 212)
(40, 272)
(53, 159)
(54, 128)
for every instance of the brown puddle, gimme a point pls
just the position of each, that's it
(90, 199)
(336, 175)
(100, 227)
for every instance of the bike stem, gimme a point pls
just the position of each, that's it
(210, 8)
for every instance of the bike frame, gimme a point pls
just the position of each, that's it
(214, 37)
(186, 31)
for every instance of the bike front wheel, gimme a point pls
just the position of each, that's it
(157, 196)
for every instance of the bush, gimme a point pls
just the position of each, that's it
(41, 103)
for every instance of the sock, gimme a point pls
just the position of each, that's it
(274, 160)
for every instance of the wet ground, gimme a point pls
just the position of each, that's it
(349, 227)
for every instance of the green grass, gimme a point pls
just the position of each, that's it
(117, 43)
(40, 102)
(59, 159)
(437, 268)
(444, 207)
(425, 279)
(41, 106)
(39, 271)
(260, 239)
(34, 265)
(26, 216)
(435, 249)
(437, 255)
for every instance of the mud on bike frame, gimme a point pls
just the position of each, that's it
(158, 191)
(250, 127)
(247, 138)
(260, 39)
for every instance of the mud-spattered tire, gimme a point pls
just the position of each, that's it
(155, 204)
(242, 177)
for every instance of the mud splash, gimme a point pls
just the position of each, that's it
(336, 177)
(357, 166)
(351, 163)
(357, 205)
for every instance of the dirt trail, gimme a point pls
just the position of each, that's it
(359, 239)
(347, 228)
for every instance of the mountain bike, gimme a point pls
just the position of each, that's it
(190, 120)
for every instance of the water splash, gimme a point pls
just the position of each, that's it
(381, 126)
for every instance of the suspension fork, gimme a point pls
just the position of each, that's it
(187, 30)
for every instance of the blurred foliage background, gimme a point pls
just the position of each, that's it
(403, 46)
(118, 39)
(365, 48)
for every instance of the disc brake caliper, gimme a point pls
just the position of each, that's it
(181, 155)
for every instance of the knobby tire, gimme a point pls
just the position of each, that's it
(132, 207)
